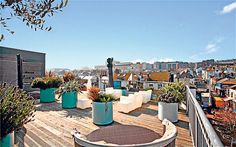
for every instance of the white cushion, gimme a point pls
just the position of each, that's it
(84, 103)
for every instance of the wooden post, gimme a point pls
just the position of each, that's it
(19, 71)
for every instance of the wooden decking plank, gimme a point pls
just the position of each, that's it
(37, 138)
(71, 123)
(59, 138)
(47, 137)
(53, 122)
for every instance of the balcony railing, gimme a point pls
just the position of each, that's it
(202, 132)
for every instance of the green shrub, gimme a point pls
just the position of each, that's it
(47, 82)
(69, 86)
(104, 98)
(173, 93)
(16, 108)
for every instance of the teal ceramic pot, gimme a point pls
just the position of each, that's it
(7, 141)
(47, 95)
(117, 84)
(124, 92)
(102, 113)
(69, 99)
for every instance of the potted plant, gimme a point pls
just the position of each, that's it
(68, 91)
(124, 91)
(16, 108)
(47, 86)
(102, 107)
(68, 76)
(170, 96)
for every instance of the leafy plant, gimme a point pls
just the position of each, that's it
(50, 74)
(46, 82)
(68, 76)
(16, 108)
(104, 98)
(70, 86)
(38, 83)
(93, 93)
(172, 93)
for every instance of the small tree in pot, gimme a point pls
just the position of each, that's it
(16, 109)
(102, 111)
(68, 91)
(170, 96)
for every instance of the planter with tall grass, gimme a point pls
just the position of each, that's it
(102, 107)
(68, 91)
(48, 86)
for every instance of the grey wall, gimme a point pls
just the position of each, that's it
(33, 66)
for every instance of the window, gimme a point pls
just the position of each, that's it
(150, 85)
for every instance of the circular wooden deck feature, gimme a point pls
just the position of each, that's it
(123, 134)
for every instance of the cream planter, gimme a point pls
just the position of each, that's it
(168, 111)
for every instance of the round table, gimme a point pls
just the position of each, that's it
(123, 134)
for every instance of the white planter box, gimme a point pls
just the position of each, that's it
(168, 111)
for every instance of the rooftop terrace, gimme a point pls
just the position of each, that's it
(52, 125)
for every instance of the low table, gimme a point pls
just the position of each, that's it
(123, 134)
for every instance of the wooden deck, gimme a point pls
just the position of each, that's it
(52, 125)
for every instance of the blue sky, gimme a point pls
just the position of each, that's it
(87, 32)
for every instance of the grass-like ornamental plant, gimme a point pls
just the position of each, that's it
(16, 108)
(70, 86)
(104, 98)
(68, 76)
(47, 82)
(93, 93)
(172, 93)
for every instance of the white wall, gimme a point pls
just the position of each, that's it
(232, 94)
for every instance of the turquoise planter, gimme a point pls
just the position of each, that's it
(47, 95)
(102, 113)
(117, 84)
(69, 99)
(7, 141)
(124, 92)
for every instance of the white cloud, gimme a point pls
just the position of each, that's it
(229, 8)
(211, 48)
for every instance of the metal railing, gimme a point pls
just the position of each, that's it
(202, 132)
